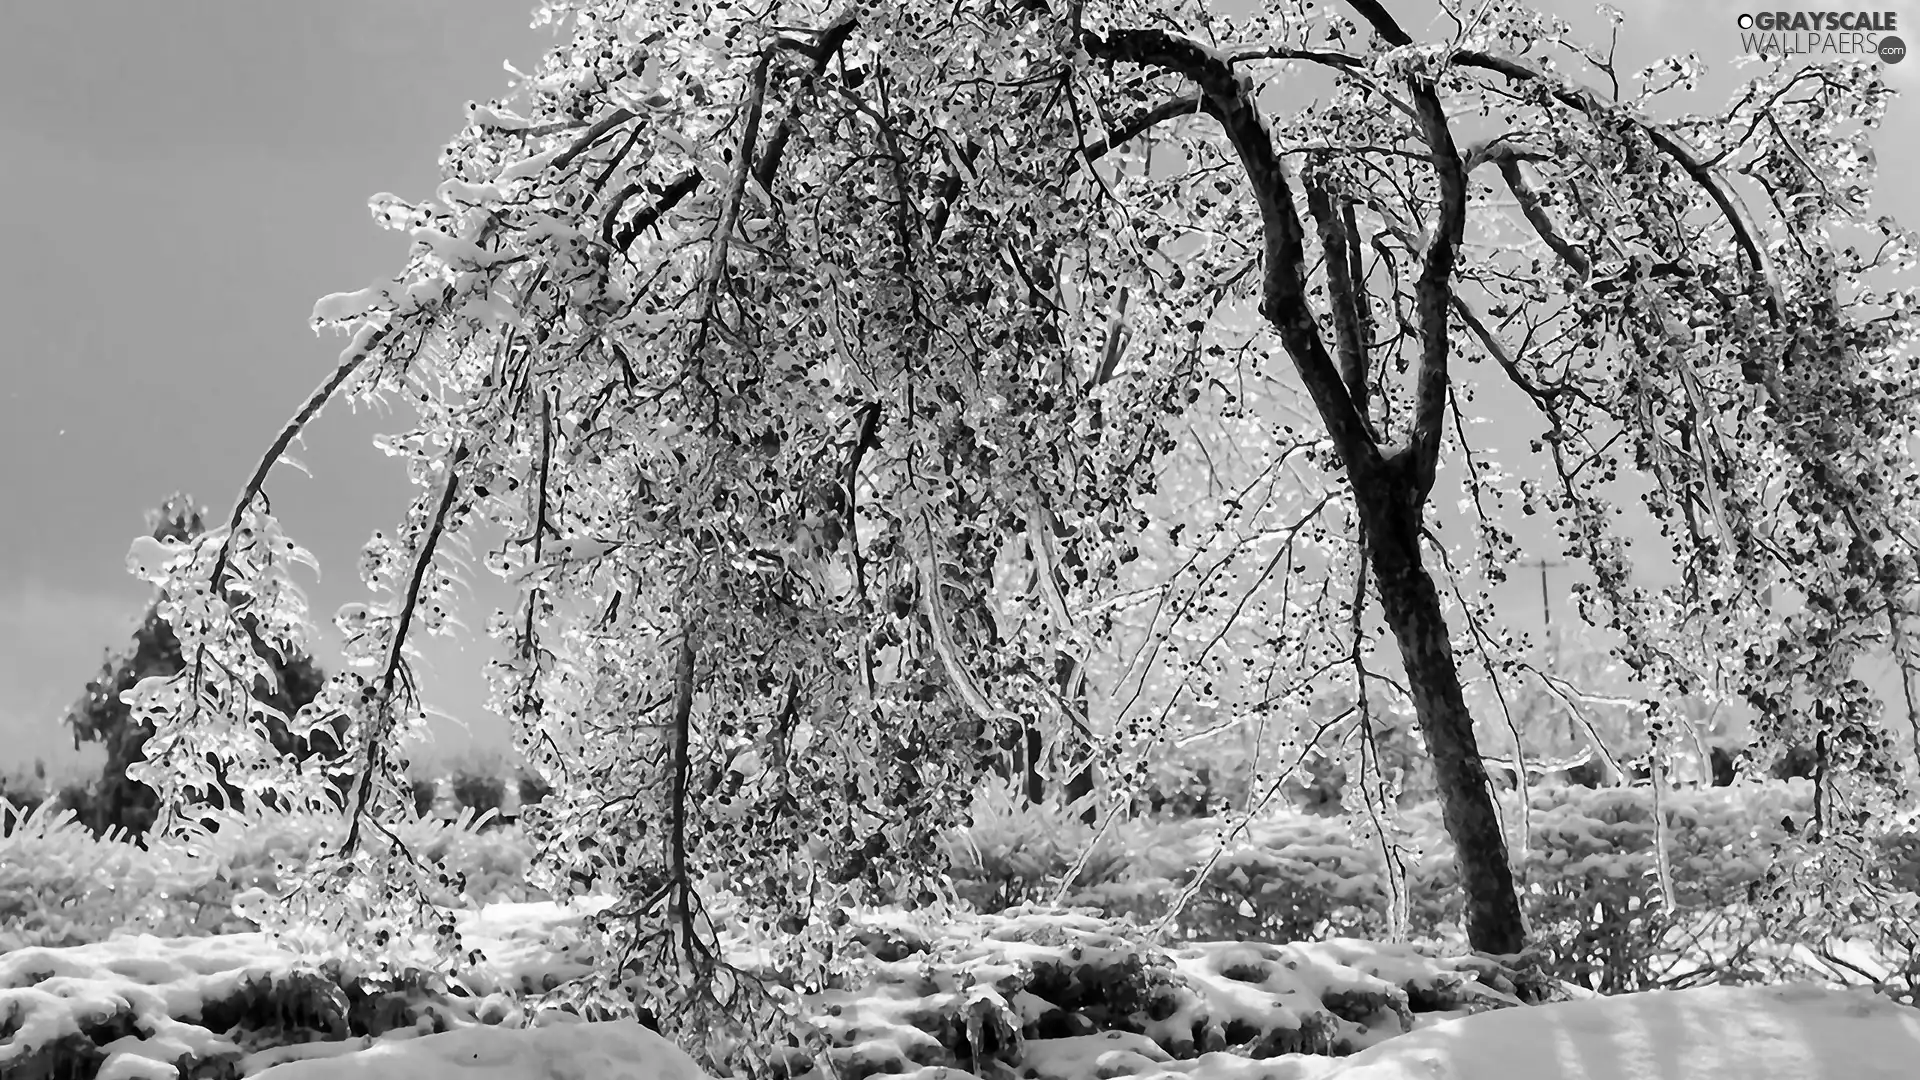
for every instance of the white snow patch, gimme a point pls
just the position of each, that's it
(1798, 1032)
(612, 1050)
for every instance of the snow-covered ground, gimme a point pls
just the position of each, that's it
(606, 1051)
(1029, 994)
(1709, 1033)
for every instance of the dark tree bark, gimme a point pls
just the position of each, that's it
(1390, 488)
(1412, 606)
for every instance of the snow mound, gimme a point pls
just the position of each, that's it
(610, 1050)
(1798, 1032)
(1048, 994)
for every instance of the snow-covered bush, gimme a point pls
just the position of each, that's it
(1593, 906)
(61, 885)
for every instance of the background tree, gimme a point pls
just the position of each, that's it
(121, 802)
(820, 367)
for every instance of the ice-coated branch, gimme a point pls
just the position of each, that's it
(592, 135)
(619, 237)
(1536, 214)
(375, 737)
(364, 344)
(736, 191)
(824, 48)
(1284, 288)
(682, 758)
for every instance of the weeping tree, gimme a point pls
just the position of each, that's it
(820, 368)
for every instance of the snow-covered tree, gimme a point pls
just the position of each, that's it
(820, 366)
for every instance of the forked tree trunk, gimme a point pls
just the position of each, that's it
(1412, 606)
(1390, 485)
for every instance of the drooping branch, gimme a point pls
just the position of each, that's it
(949, 193)
(349, 363)
(1588, 102)
(1536, 214)
(736, 191)
(1542, 398)
(1284, 287)
(823, 50)
(940, 629)
(1580, 98)
(682, 734)
(867, 439)
(1139, 123)
(1093, 150)
(373, 753)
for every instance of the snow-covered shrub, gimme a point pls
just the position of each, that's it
(1297, 877)
(61, 885)
(1016, 852)
(1588, 881)
(1292, 877)
(1587, 877)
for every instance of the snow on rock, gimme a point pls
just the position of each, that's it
(138, 1006)
(1799, 1032)
(1068, 995)
(610, 1050)
(1033, 993)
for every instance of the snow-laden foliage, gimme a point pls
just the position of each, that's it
(1595, 913)
(60, 884)
(820, 369)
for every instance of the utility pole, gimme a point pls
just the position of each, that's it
(1546, 606)
(1546, 617)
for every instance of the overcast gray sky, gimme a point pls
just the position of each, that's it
(180, 181)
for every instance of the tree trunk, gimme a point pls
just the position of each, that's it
(1412, 606)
